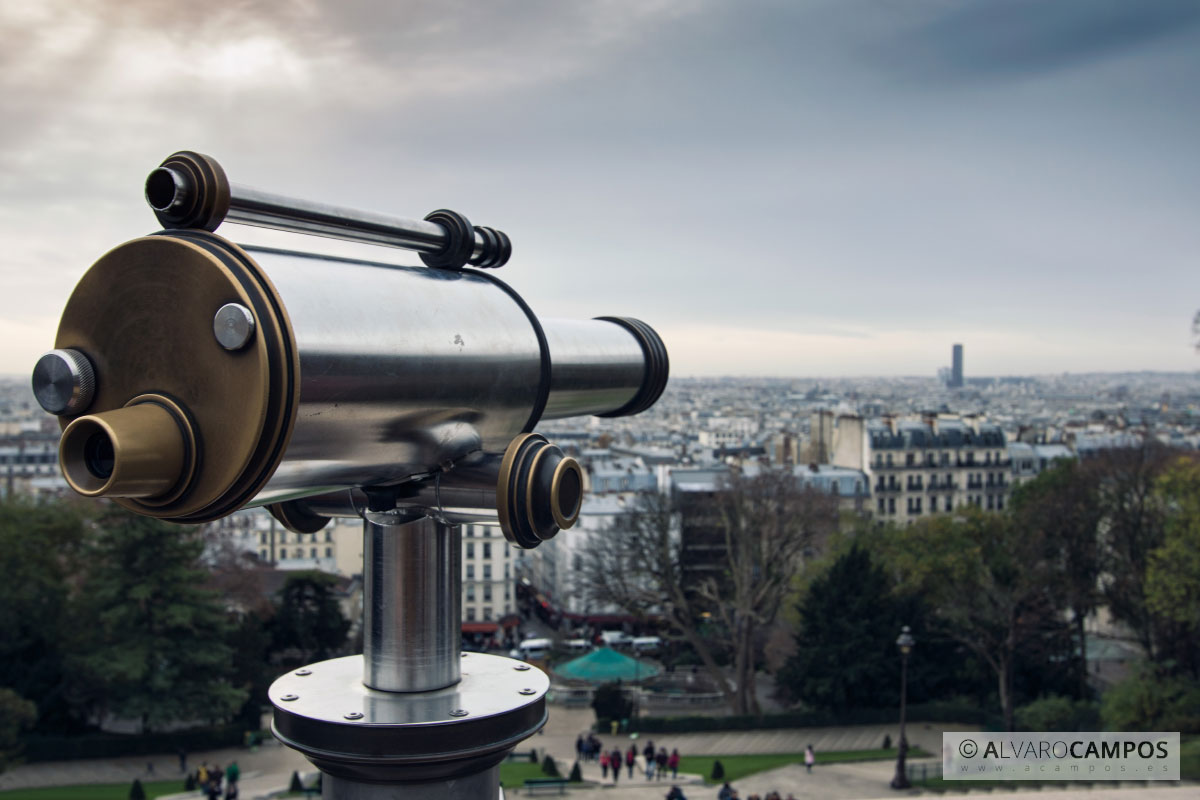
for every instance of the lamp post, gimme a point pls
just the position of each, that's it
(905, 644)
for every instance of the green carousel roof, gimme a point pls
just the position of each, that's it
(605, 664)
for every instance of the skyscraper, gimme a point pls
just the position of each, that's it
(956, 370)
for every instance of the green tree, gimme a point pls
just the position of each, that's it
(1133, 528)
(1173, 568)
(1061, 508)
(41, 554)
(159, 651)
(308, 624)
(845, 653)
(1149, 700)
(987, 583)
(16, 713)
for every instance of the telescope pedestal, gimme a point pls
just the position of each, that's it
(436, 743)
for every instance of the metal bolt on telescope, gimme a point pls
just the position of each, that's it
(194, 377)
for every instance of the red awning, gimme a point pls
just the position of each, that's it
(480, 627)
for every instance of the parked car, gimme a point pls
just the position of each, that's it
(647, 644)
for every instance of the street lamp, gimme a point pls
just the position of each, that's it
(905, 644)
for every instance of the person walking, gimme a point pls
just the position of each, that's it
(604, 764)
(810, 758)
(579, 747)
(648, 754)
(631, 759)
(673, 762)
(660, 764)
(232, 774)
(615, 762)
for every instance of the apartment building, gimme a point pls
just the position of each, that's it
(925, 465)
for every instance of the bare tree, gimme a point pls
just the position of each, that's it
(718, 566)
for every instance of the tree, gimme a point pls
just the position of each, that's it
(845, 655)
(1173, 568)
(16, 713)
(159, 651)
(720, 582)
(1061, 508)
(1133, 528)
(610, 702)
(41, 554)
(987, 583)
(308, 624)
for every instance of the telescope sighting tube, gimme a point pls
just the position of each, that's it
(190, 190)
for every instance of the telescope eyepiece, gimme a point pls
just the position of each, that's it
(99, 456)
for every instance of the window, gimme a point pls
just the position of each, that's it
(470, 531)
(1000, 502)
(262, 539)
(889, 459)
(470, 549)
(470, 571)
(908, 459)
(933, 504)
(312, 553)
(990, 502)
(891, 505)
(329, 552)
(917, 505)
(262, 554)
(487, 593)
(487, 531)
(470, 593)
(949, 503)
(487, 572)
(881, 505)
(487, 613)
(470, 613)
(329, 536)
(487, 549)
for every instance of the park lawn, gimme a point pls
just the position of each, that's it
(93, 791)
(514, 773)
(738, 767)
(1189, 757)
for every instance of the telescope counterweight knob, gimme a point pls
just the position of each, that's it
(64, 382)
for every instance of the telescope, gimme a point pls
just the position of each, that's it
(194, 377)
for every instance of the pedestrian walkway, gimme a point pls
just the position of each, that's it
(269, 768)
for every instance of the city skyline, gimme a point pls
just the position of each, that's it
(821, 189)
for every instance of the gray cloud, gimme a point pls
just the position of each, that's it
(1017, 38)
(874, 171)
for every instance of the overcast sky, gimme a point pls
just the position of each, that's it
(792, 188)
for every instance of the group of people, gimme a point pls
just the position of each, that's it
(655, 762)
(729, 793)
(210, 779)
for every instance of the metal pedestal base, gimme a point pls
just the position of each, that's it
(444, 743)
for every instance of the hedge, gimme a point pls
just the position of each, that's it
(114, 745)
(925, 712)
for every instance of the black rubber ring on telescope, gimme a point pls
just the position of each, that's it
(543, 391)
(497, 248)
(658, 366)
(460, 240)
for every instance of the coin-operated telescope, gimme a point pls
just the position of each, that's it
(194, 377)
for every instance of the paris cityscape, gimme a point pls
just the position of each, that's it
(641, 400)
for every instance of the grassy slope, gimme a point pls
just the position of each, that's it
(738, 767)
